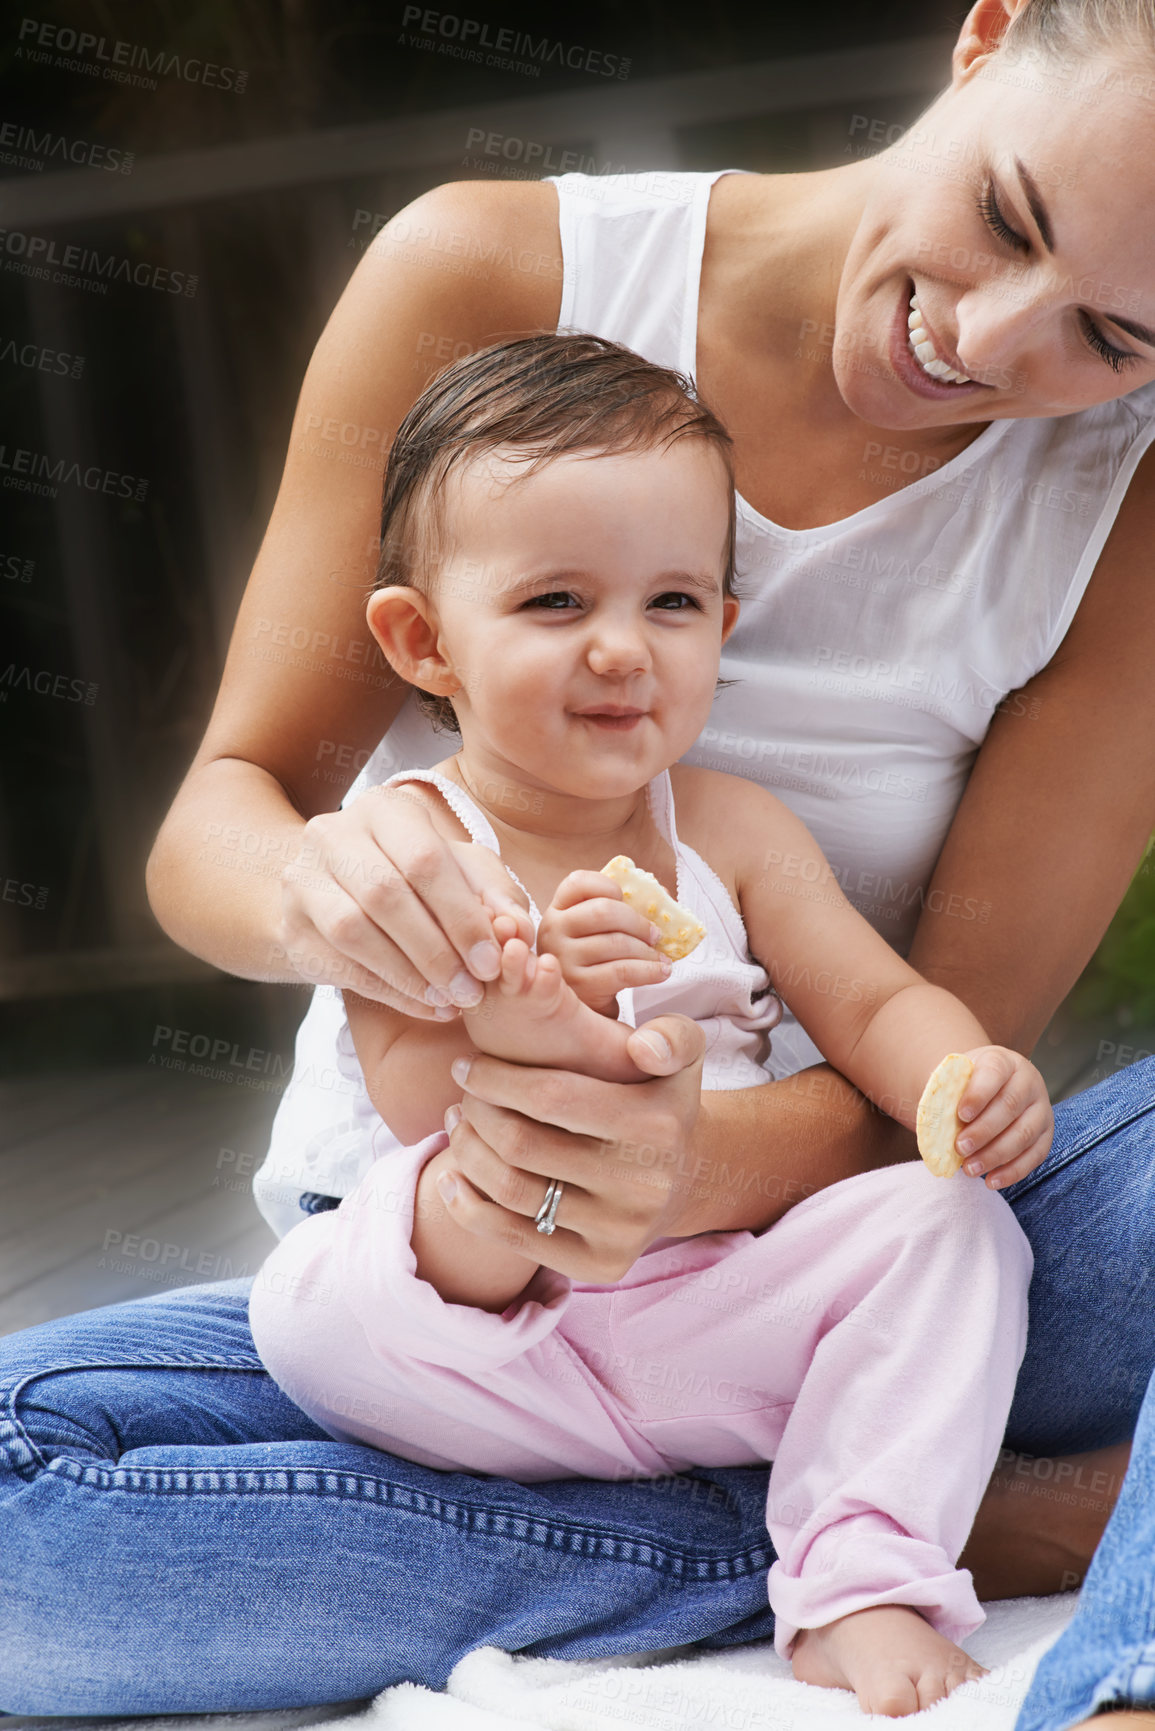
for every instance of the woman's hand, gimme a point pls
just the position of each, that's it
(618, 1148)
(1007, 1117)
(603, 944)
(379, 902)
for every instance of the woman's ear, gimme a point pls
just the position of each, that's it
(982, 33)
(405, 624)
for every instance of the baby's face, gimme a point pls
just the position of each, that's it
(582, 611)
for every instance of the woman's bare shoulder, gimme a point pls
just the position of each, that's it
(489, 258)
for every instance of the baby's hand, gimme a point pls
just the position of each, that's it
(1007, 1117)
(602, 943)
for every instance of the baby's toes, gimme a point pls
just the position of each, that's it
(547, 985)
(517, 968)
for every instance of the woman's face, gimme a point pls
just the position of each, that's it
(1019, 214)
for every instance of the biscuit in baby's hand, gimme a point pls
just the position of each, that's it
(681, 932)
(938, 1122)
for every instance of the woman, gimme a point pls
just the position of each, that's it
(943, 545)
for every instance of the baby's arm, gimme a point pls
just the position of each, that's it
(870, 1014)
(407, 1070)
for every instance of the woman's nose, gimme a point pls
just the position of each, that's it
(995, 329)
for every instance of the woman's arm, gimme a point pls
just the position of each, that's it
(306, 694)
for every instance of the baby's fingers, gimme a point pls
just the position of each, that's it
(1005, 1160)
(583, 887)
(606, 981)
(1005, 1130)
(600, 916)
(994, 1067)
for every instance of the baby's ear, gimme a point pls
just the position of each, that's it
(405, 625)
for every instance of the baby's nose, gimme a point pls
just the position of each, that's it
(617, 648)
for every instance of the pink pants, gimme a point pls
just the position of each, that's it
(867, 1344)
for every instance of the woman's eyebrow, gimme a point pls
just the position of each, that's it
(1141, 333)
(1037, 208)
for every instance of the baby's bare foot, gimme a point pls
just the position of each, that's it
(531, 1016)
(889, 1655)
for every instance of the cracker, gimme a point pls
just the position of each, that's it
(938, 1122)
(681, 932)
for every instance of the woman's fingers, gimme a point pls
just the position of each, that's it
(667, 1046)
(377, 888)
(458, 926)
(511, 1186)
(670, 1046)
(381, 923)
(501, 1194)
(488, 878)
(562, 1250)
(378, 969)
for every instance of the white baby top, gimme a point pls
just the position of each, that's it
(871, 653)
(328, 1147)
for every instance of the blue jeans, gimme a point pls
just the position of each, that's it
(176, 1536)
(1107, 1651)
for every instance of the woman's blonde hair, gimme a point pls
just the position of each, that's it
(1076, 29)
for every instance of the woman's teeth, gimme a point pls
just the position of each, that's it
(924, 351)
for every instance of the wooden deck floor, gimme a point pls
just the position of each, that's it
(118, 1182)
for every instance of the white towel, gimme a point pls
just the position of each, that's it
(744, 1689)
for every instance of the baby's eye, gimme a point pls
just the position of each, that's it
(554, 601)
(674, 601)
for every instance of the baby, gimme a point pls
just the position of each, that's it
(557, 575)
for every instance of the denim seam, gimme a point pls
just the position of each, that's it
(1100, 1134)
(309, 1481)
(22, 1455)
(1130, 1682)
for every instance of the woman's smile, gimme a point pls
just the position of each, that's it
(914, 368)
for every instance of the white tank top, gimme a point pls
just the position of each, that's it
(871, 653)
(327, 1132)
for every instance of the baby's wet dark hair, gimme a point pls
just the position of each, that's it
(534, 398)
